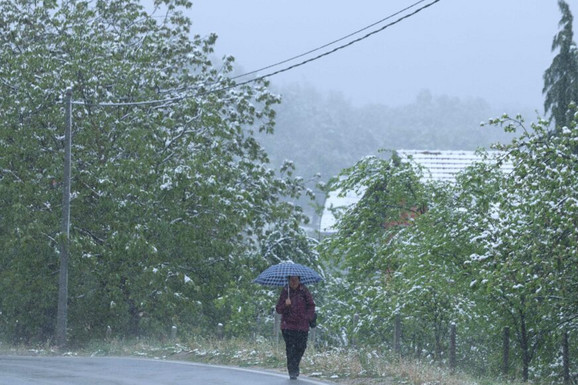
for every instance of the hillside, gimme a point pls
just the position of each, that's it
(322, 134)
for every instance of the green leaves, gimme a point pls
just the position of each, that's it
(493, 250)
(171, 191)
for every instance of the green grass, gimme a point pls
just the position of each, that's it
(340, 365)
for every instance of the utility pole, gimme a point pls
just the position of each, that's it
(62, 312)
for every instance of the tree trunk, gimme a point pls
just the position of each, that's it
(525, 348)
(397, 334)
(566, 358)
(453, 347)
(506, 352)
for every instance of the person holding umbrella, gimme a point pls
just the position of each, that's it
(295, 305)
(297, 309)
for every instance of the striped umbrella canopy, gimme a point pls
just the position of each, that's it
(277, 275)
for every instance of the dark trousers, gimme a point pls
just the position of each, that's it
(295, 345)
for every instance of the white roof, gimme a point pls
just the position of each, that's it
(445, 165)
(440, 166)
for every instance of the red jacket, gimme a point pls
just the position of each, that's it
(298, 315)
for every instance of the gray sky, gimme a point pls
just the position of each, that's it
(494, 49)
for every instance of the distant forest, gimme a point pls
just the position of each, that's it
(325, 133)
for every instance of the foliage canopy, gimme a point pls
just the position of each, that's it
(172, 196)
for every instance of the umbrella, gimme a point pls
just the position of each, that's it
(276, 275)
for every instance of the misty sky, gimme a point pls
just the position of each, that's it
(494, 49)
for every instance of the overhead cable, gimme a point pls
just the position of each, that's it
(330, 43)
(262, 77)
(337, 48)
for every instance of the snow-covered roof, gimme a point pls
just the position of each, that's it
(440, 166)
(445, 165)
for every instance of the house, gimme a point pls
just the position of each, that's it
(442, 166)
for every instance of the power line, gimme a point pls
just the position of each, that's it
(340, 47)
(262, 77)
(330, 43)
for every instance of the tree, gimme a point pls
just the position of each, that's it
(363, 250)
(561, 79)
(492, 251)
(530, 261)
(171, 190)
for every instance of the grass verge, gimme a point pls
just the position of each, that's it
(346, 366)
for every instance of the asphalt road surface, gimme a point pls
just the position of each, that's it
(20, 370)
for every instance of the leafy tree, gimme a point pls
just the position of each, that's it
(363, 247)
(530, 261)
(171, 190)
(561, 79)
(430, 291)
(492, 251)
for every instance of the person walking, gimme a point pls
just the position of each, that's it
(297, 309)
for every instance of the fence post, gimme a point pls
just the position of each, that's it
(419, 348)
(566, 357)
(354, 333)
(173, 332)
(506, 351)
(453, 347)
(257, 326)
(220, 331)
(397, 334)
(108, 334)
(276, 326)
(312, 335)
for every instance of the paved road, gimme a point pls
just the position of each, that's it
(17, 370)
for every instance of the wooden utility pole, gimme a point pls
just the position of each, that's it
(62, 312)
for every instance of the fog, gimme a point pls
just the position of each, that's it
(494, 49)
